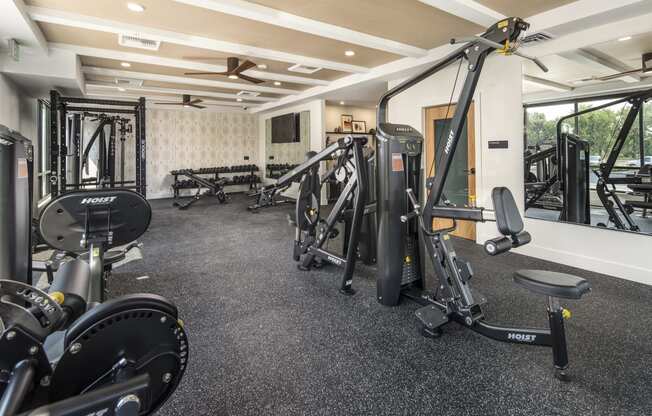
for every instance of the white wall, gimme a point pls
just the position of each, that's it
(317, 129)
(333, 112)
(498, 116)
(19, 112)
(316, 108)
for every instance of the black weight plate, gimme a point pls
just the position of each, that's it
(148, 337)
(62, 221)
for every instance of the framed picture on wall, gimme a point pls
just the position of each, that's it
(359, 126)
(346, 121)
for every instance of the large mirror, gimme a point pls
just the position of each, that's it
(589, 161)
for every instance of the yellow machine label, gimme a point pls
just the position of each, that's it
(446, 237)
(96, 252)
(503, 24)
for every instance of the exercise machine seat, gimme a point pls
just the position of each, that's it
(558, 285)
(508, 219)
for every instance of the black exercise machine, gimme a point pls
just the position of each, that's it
(62, 351)
(69, 155)
(271, 195)
(405, 226)
(619, 212)
(312, 232)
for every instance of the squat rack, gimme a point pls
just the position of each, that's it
(61, 127)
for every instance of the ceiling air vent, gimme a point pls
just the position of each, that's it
(304, 69)
(139, 42)
(248, 94)
(128, 82)
(536, 38)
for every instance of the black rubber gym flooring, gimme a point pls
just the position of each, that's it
(268, 339)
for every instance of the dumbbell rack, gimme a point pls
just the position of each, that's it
(192, 183)
(276, 170)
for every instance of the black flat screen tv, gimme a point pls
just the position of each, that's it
(285, 128)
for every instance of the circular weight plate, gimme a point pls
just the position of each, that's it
(150, 340)
(18, 304)
(126, 213)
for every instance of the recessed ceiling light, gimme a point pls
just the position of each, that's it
(186, 106)
(349, 53)
(277, 83)
(233, 76)
(125, 64)
(239, 100)
(624, 38)
(121, 89)
(341, 102)
(135, 7)
(262, 66)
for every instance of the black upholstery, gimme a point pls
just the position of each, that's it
(559, 285)
(118, 305)
(508, 219)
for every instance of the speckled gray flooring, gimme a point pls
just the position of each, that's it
(268, 339)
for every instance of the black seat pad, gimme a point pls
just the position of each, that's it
(640, 187)
(118, 305)
(559, 285)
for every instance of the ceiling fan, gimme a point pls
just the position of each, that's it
(644, 70)
(234, 70)
(187, 102)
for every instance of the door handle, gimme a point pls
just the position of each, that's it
(470, 171)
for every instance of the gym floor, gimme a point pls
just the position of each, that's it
(268, 339)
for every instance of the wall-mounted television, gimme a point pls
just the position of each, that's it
(285, 128)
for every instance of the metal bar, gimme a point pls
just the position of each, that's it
(358, 211)
(54, 143)
(20, 384)
(302, 168)
(141, 149)
(81, 100)
(101, 110)
(453, 137)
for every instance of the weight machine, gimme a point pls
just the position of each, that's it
(619, 212)
(406, 237)
(69, 154)
(312, 232)
(64, 352)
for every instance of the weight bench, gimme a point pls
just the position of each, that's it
(554, 285)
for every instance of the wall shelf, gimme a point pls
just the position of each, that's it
(339, 132)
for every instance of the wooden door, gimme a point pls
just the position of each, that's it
(460, 184)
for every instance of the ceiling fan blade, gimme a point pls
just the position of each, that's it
(244, 66)
(197, 106)
(195, 101)
(206, 73)
(251, 79)
(169, 103)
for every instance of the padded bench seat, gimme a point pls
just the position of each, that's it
(559, 285)
(640, 187)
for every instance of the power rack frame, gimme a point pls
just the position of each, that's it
(61, 107)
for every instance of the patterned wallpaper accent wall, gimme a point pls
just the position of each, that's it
(288, 152)
(178, 139)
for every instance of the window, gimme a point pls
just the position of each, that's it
(647, 133)
(43, 163)
(541, 124)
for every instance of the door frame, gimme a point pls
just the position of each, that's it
(465, 229)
